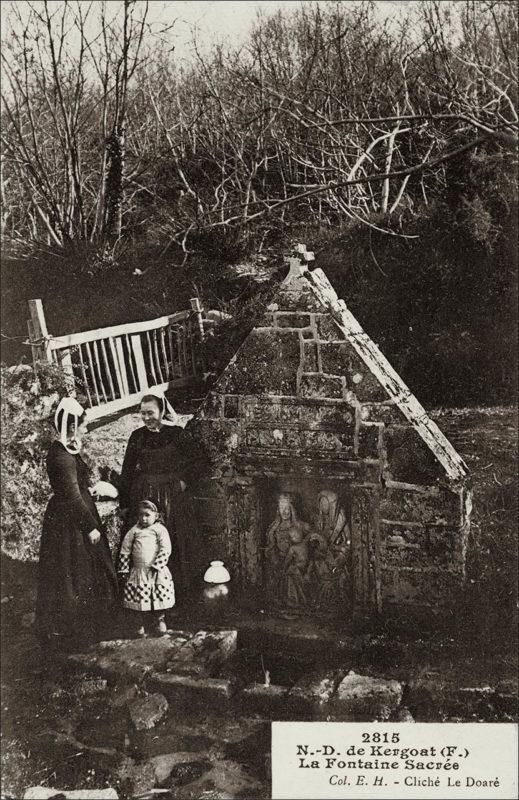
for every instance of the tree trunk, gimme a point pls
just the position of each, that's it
(114, 184)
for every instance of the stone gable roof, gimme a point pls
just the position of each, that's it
(308, 285)
(309, 348)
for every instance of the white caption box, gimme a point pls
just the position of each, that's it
(321, 760)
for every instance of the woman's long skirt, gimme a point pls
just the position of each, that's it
(77, 584)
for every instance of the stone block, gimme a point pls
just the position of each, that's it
(135, 778)
(46, 793)
(409, 459)
(368, 441)
(402, 714)
(300, 300)
(203, 653)
(231, 406)
(289, 412)
(122, 696)
(302, 440)
(292, 320)
(268, 439)
(309, 698)
(360, 697)
(362, 382)
(146, 712)
(257, 409)
(270, 701)
(310, 361)
(166, 763)
(422, 546)
(421, 586)
(129, 660)
(337, 416)
(252, 370)
(342, 443)
(189, 690)
(431, 505)
(327, 328)
(306, 413)
(388, 413)
(91, 687)
(435, 695)
(225, 781)
(313, 385)
(335, 358)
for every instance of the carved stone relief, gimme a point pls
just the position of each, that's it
(307, 561)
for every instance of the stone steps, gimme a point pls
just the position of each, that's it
(204, 671)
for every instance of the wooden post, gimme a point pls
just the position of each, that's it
(139, 362)
(65, 359)
(199, 314)
(197, 308)
(35, 349)
(39, 330)
(122, 366)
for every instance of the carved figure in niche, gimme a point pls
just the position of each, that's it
(327, 572)
(319, 575)
(295, 565)
(278, 545)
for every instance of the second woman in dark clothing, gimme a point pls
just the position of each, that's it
(156, 467)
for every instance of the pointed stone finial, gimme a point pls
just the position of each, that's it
(299, 263)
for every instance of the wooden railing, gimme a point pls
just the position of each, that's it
(112, 367)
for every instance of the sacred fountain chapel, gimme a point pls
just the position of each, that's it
(330, 488)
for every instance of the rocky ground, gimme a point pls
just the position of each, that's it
(189, 714)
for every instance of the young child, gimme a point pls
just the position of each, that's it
(143, 561)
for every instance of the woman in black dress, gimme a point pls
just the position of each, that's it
(77, 582)
(157, 466)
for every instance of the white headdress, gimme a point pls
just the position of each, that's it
(68, 407)
(180, 420)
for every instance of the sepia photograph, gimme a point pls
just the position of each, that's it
(259, 399)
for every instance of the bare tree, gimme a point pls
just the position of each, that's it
(63, 132)
(329, 113)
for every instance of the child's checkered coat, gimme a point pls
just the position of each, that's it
(143, 559)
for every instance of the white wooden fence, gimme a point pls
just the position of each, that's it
(113, 366)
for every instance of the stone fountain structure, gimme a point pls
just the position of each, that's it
(330, 489)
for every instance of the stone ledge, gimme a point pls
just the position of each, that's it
(359, 697)
(127, 660)
(203, 653)
(192, 691)
(46, 793)
(134, 660)
(309, 698)
(432, 695)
